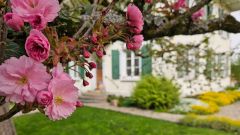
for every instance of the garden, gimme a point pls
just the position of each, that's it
(92, 121)
(162, 95)
(52, 51)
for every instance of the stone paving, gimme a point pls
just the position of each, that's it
(140, 112)
(232, 111)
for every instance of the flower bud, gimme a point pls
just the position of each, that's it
(89, 75)
(44, 97)
(14, 21)
(85, 83)
(92, 65)
(79, 104)
(86, 53)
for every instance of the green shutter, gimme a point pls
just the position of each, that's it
(115, 65)
(81, 71)
(146, 61)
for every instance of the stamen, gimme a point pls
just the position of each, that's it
(58, 100)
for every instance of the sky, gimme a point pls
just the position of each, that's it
(235, 38)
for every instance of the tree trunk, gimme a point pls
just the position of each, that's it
(6, 127)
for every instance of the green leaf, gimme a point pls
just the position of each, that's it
(13, 50)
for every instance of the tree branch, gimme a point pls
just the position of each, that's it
(171, 28)
(10, 113)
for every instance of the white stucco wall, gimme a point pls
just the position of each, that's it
(188, 86)
(79, 81)
(116, 87)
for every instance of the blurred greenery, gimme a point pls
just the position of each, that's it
(157, 93)
(235, 72)
(92, 121)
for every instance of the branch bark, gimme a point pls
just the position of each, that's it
(183, 24)
(10, 113)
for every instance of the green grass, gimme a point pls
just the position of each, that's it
(92, 121)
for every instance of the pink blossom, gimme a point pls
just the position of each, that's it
(105, 32)
(13, 21)
(37, 22)
(85, 83)
(94, 38)
(179, 4)
(100, 53)
(137, 30)
(58, 73)
(22, 78)
(47, 8)
(86, 53)
(89, 75)
(79, 104)
(44, 97)
(197, 15)
(92, 65)
(37, 46)
(148, 1)
(134, 18)
(135, 43)
(65, 96)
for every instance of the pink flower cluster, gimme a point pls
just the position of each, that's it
(135, 23)
(182, 4)
(37, 13)
(148, 1)
(179, 4)
(197, 15)
(25, 80)
(30, 83)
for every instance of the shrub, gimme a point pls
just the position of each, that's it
(126, 102)
(231, 88)
(156, 93)
(111, 97)
(214, 122)
(121, 101)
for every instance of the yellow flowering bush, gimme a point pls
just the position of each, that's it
(221, 98)
(214, 100)
(210, 109)
(214, 122)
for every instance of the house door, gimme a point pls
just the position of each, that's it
(100, 85)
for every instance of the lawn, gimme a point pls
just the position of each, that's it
(92, 121)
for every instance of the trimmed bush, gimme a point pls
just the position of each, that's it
(155, 93)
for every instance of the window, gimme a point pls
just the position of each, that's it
(74, 71)
(209, 10)
(220, 13)
(222, 65)
(188, 64)
(182, 64)
(217, 67)
(133, 67)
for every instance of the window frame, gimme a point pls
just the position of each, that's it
(123, 67)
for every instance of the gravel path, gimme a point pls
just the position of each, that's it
(135, 111)
(231, 111)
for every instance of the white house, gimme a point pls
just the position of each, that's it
(120, 69)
